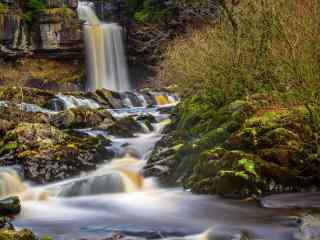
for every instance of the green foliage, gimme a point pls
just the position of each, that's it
(3, 8)
(148, 10)
(33, 8)
(248, 165)
(46, 238)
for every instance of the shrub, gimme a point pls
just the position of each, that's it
(149, 10)
(257, 47)
(33, 8)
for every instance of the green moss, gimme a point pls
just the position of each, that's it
(8, 147)
(32, 8)
(148, 10)
(17, 235)
(63, 11)
(267, 121)
(3, 8)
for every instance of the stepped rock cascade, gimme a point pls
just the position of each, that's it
(106, 61)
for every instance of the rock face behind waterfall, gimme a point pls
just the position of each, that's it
(239, 149)
(44, 47)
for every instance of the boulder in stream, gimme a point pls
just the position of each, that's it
(23, 234)
(10, 206)
(80, 118)
(47, 153)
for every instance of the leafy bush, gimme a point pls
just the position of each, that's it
(257, 47)
(33, 8)
(149, 10)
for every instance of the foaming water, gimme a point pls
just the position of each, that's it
(74, 102)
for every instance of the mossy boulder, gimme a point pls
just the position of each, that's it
(80, 118)
(47, 153)
(23, 234)
(240, 149)
(107, 98)
(124, 127)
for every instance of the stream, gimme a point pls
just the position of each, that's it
(115, 200)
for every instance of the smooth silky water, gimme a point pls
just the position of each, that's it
(117, 199)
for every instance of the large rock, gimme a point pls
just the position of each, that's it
(48, 153)
(23, 234)
(238, 150)
(123, 127)
(10, 206)
(80, 118)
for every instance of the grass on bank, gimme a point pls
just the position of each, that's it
(265, 46)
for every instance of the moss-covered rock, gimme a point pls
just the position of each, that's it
(48, 153)
(23, 234)
(80, 118)
(124, 127)
(239, 149)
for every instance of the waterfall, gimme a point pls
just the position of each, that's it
(10, 182)
(106, 61)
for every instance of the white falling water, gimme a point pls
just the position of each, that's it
(106, 61)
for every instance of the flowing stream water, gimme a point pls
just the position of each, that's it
(116, 198)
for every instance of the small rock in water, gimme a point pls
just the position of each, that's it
(10, 206)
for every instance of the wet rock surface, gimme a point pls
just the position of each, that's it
(10, 206)
(241, 149)
(47, 153)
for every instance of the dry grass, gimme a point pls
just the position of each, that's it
(29, 71)
(259, 46)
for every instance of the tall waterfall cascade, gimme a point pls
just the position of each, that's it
(105, 54)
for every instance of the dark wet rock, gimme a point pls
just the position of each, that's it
(55, 104)
(47, 153)
(125, 127)
(147, 120)
(10, 206)
(5, 223)
(80, 118)
(107, 98)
